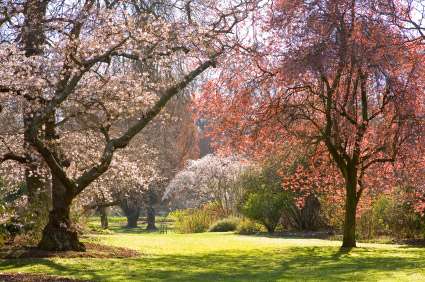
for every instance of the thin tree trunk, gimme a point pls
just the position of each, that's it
(104, 217)
(349, 237)
(150, 214)
(59, 235)
(270, 229)
(150, 210)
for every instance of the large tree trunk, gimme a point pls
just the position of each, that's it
(133, 217)
(59, 234)
(132, 212)
(349, 237)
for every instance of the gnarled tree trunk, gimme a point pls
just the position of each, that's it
(132, 212)
(59, 234)
(132, 217)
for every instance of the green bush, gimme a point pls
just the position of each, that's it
(392, 215)
(192, 220)
(403, 221)
(265, 200)
(375, 221)
(3, 235)
(247, 227)
(224, 225)
(266, 208)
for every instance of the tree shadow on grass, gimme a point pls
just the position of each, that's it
(343, 251)
(300, 263)
(50, 267)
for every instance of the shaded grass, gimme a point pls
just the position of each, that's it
(230, 257)
(118, 224)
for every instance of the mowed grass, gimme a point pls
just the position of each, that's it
(230, 257)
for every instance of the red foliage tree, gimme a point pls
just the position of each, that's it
(333, 75)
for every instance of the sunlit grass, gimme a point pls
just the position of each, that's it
(230, 257)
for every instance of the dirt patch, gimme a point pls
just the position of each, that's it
(23, 277)
(93, 250)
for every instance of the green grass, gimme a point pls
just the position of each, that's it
(230, 257)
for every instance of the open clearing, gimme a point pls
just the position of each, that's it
(231, 257)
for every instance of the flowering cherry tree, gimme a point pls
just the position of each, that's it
(69, 68)
(138, 175)
(211, 178)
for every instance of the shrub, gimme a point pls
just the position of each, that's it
(21, 219)
(265, 201)
(375, 221)
(224, 225)
(10, 230)
(392, 215)
(266, 208)
(195, 222)
(247, 227)
(192, 220)
(3, 235)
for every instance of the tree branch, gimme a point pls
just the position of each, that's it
(13, 157)
(121, 142)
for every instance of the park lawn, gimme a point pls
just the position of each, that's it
(231, 257)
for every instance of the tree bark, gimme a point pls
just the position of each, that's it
(150, 210)
(133, 217)
(103, 217)
(270, 227)
(349, 237)
(132, 212)
(150, 214)
(59, 234)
